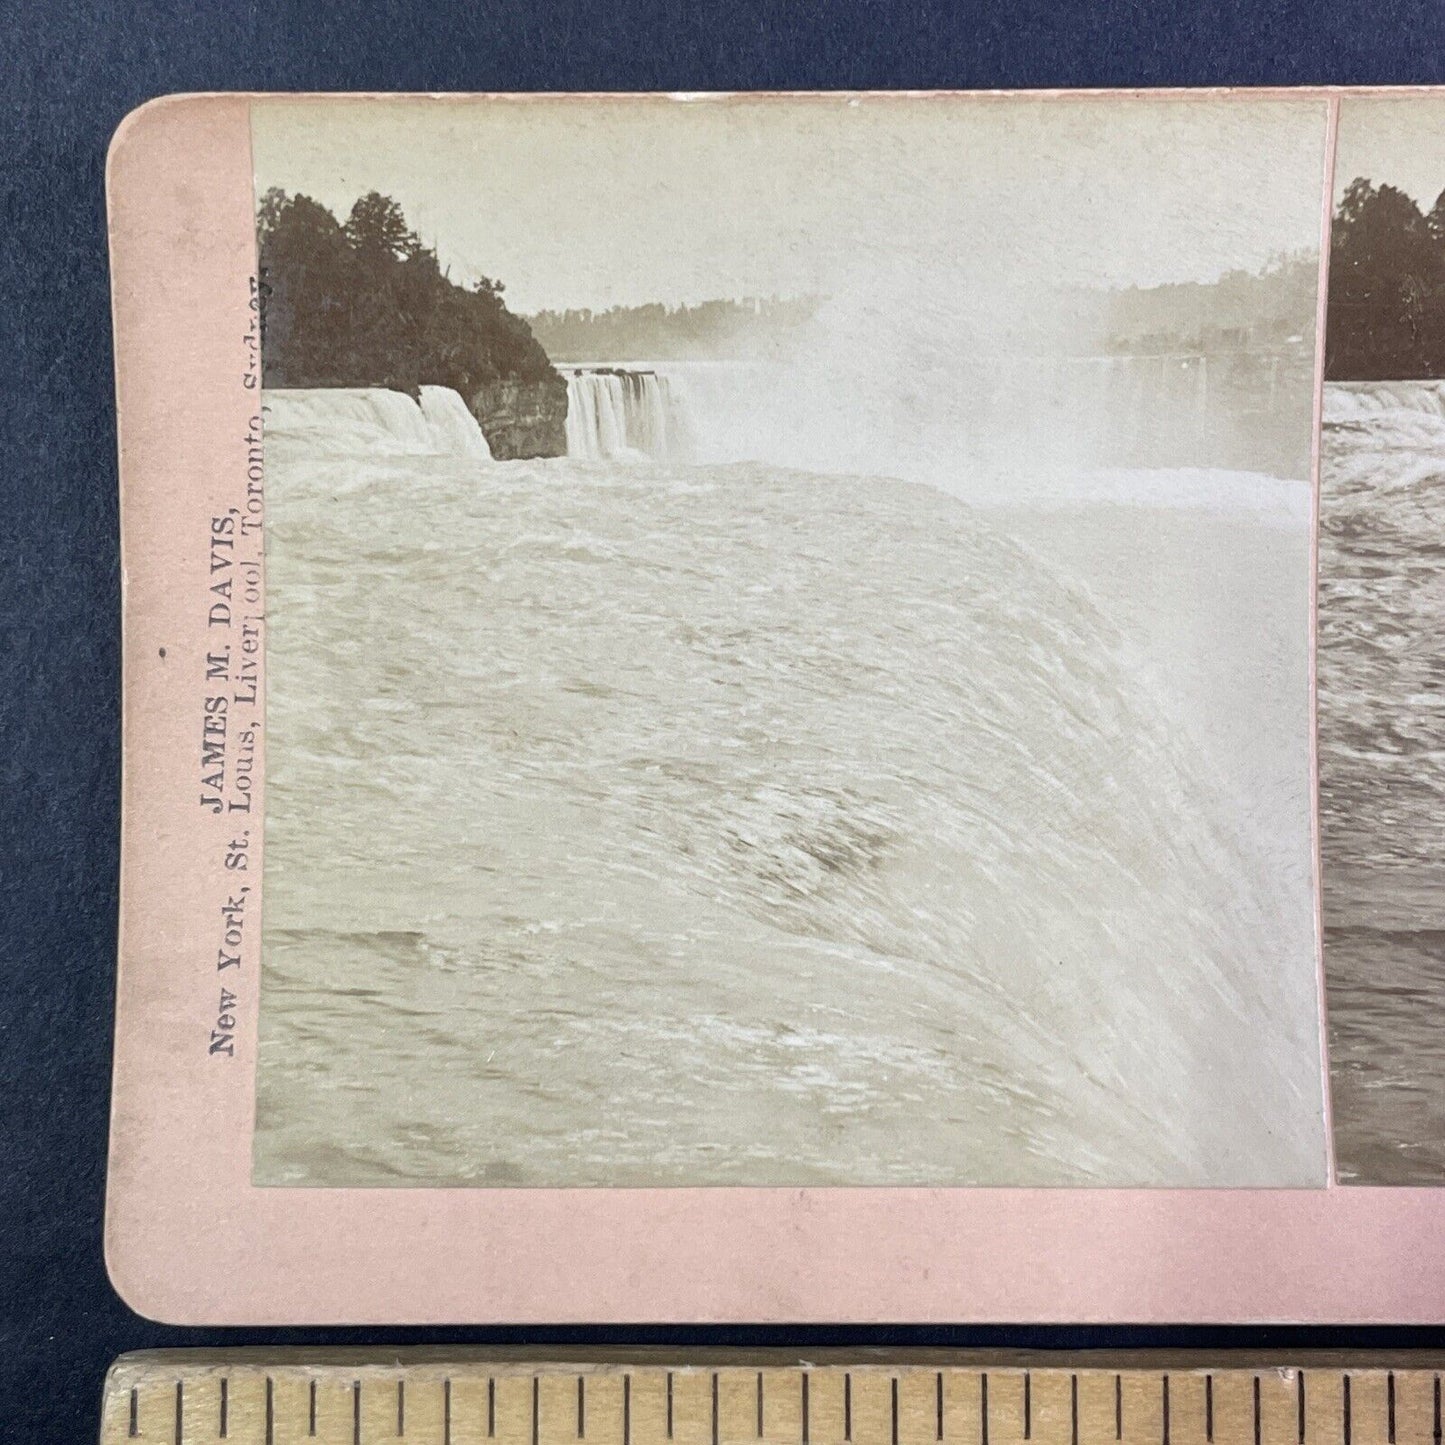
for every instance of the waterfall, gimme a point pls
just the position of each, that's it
(614, 412)
(840, 411)
(454, 429)
(374, 421)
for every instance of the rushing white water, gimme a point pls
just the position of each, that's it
(1382, 773)
(615, 413)
(454, 428)
(373, 421)
(1352, 403)
(631, 822)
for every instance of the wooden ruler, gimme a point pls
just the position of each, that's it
(343, 1398)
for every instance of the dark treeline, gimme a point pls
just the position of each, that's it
(654, 332)
(365, 303)
(1386, 304)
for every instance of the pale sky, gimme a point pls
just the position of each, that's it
(580, 201)
(1397, 140)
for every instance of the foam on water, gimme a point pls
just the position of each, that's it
(637, 824)
(453, 427)
(1382, 593)
(1354, 401)
(1382, 773)
(373, 421)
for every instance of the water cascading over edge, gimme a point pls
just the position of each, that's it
(614, 413)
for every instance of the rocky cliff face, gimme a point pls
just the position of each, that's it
(523, 418)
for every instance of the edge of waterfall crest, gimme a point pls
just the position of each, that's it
(375, 421)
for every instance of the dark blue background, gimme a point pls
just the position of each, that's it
(71, 72)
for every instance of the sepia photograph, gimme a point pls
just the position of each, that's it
(1381, 661)
(788, 643)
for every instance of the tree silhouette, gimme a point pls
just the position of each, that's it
(367, 304)
(378, 231)
(1386, 303)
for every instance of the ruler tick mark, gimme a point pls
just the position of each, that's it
(270, 1411)
(1311, 1400)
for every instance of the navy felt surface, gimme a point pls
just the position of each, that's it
(70, 73)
